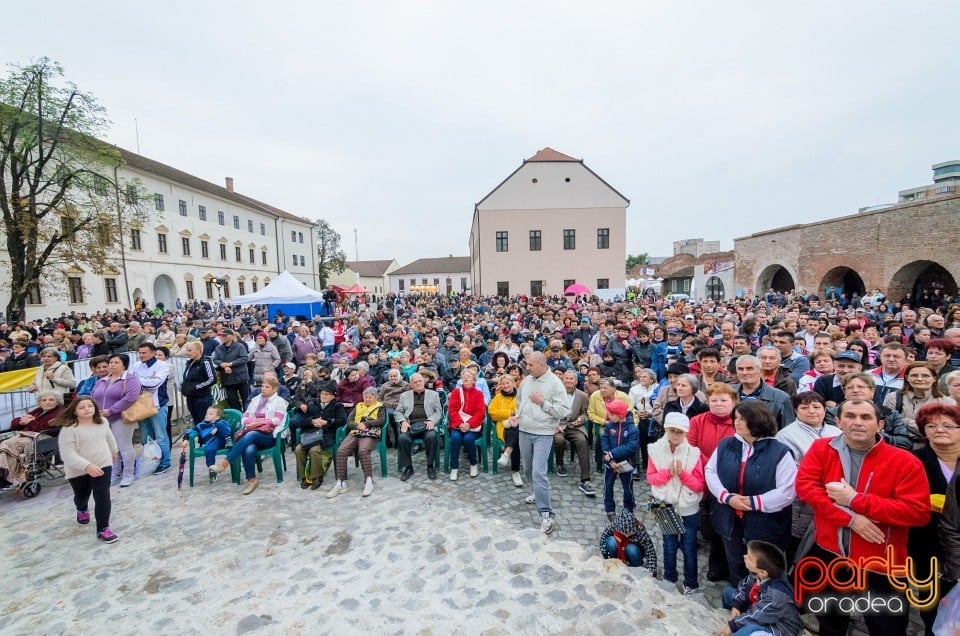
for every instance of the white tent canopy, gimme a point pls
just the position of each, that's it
(283, 289)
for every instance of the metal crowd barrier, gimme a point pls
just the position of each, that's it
(17, 402)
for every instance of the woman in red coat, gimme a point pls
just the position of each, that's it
(466, 410)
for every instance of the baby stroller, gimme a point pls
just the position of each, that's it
(45, 463)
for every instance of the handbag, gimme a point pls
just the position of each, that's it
(666, 516)
(140, 410)
(311, 438)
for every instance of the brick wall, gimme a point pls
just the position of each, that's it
(888, 249)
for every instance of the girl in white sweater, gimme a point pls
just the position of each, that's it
(89, 449)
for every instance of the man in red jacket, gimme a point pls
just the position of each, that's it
(865, 496)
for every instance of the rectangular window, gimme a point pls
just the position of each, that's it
(567, 282)
(535, 242)
(603, 238)
(463, 284)
(67, 228)
(202, 212)
(413, 281)
(100, 187)
(185, 244)
(241, 287)
(236, 222)
(502, 241)
(300, 237)
(249, 229)
(295, 260)
(158, 201)
(104, 234)
(303, 261)
(110, 285)
(293, 236)
(253, 258)
(220, 217)
(209, 286)
(75, 285)
(226, 289)
(132, 197)
(204, 249)
(263, 229)
(162, 243)
(436, 283)
(536, 288)
(400, 283)
(33, 295)
(449, 285)
(686, 285)
(135, 239)
(603, 283)
(503, 288)
(190, 290)
(236, 253)
(183, 207)
(423, 281)
(569, 239)
(253, 284)
(223, 252)
(263, 254)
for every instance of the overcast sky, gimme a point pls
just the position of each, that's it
(716, 119)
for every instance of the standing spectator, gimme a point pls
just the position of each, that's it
(751, 474)
(53, 375)
(116, 338)
(865, 495)
(230, 358)
(199, 376)
(304, 343)
(619, 445)
(541, 403)
(920, 387)
(114, 394)
(99, 367)
(752, 387)
(153, 374)
(675, 474)
(264, 356)
(88, 449)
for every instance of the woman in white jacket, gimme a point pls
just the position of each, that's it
(675, 474)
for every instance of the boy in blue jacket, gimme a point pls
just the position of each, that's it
(763, 602)
(212, 433)
(619, 442)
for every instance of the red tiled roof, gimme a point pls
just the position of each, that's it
(549, 154)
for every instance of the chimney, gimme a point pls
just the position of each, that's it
(229, 184)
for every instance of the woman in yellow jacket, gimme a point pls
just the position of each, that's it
(502, 407)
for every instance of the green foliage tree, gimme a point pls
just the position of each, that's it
(637, 259)
(330, 256)
(59, 194)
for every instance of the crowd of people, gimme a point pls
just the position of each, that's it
(777, 428)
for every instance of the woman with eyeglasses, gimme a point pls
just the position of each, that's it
(920, 388)
(940, 426)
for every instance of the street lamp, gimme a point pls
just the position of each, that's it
(219, 283)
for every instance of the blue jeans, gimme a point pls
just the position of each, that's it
(468, 439)
(534, 452)
(626, 480)
(210, 449)
(155, 427)
(686, 543)
(631, 551)
(726, 599)
(246, 450)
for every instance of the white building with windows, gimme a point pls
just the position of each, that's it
(552, 223)
(195, 233)
(444, 275)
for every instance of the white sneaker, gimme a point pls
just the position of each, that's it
(368, 488)
(504, 460)
(517, 480)
(530, 499)
(454, 474)
(546, 523)
(338, 489)
(474, 470)
(126, 481)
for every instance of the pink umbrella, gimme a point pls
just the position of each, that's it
(576, 290)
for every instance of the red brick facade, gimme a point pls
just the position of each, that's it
(887, 249)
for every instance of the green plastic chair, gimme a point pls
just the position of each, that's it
(381, 447)
(233, 417)
(488, 439)
(275, 451)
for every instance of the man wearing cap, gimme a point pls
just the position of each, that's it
(327, 415)
(664, 352)
(281, 343)
(230, 359)
(557, 359)
(830, 386)
(208, 340)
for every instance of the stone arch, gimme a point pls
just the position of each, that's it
(911, 279)
(842, 280)
(777, 276)
(137, 294)
(164, 291)
(714, 288)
